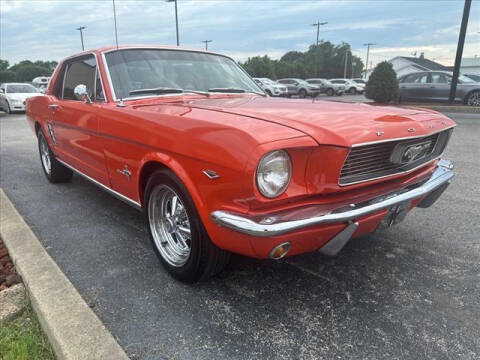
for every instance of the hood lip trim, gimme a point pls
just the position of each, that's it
(402, 138)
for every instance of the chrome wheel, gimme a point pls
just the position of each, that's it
(170, 225)
(45, 156)
(474, 99)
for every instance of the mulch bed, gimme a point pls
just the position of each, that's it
(8, 275)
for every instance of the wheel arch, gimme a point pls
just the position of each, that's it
(157, 161)
(465, 99)
(37, 127)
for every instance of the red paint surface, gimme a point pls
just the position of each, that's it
(229, 134)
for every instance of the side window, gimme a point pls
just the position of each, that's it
(82, 71)
(439, 78)
(410, 78)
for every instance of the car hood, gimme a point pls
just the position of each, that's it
(330, 122)
(21, 96)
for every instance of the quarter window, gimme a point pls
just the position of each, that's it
(81, 71)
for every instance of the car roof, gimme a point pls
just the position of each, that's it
(111, 48)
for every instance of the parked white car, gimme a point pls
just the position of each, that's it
(13, 96)
(351, 86)
(271, 87)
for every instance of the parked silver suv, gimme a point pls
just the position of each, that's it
(327, 87)
(271, 87)
(300, 87)
(435, 86)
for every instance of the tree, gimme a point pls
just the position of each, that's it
(382, 86)
(292, 56)
(29, 72)
(325, 60)
(260, 66)
(7, 76)
(3, 65)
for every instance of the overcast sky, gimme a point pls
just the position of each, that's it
(45, 30)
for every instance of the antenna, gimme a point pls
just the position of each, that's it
(115, 20)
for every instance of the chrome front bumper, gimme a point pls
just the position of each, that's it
(430, 190)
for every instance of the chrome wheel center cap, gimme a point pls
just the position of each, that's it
(170, 225)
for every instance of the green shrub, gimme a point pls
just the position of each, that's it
(382, 86)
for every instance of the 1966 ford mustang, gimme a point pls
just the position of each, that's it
(218, 167)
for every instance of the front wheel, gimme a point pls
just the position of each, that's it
(302, 93)
(177, 234)
(474, 99)
(330, 92)
(269, 93)
(52, 168)
(353, 91)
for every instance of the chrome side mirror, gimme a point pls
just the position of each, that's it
(81, 93)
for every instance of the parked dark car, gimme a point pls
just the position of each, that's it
(300, 87)
(435, 86)
(327, 87)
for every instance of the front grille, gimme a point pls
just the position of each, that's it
(368, 162)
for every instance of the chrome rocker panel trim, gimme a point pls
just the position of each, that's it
(440, 178)
(112, 192)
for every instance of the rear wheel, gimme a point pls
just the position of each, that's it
(302, 93)
(53, 169)
(330, 92)
(178, 236)
(474, 99)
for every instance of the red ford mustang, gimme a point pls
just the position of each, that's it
(218, 167)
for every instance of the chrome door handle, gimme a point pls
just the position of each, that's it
(53, 106)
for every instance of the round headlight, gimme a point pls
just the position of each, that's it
(273, 173)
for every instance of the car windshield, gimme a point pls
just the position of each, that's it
(20, 88)
(142, 69)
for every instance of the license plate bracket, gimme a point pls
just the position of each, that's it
(396, 214)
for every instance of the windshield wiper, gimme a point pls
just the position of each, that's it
(160, 90)
(234, 90)
(163, 90)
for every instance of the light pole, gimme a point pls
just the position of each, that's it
(458, 57)
(80, 28)
(345, 67)
(318, 24)
(206, 43)
(354, 63)
(176, 19)
(368, 52)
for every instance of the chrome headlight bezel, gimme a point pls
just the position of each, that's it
(265, 165)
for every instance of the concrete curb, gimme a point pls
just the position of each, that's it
(73, 329)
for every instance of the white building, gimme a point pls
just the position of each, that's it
(470, 66)
(405, 65)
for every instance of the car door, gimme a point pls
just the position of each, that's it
(416, 87)
(75, 121)
(291, 86)
(440, 86)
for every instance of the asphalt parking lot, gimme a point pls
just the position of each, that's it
(411, 292)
